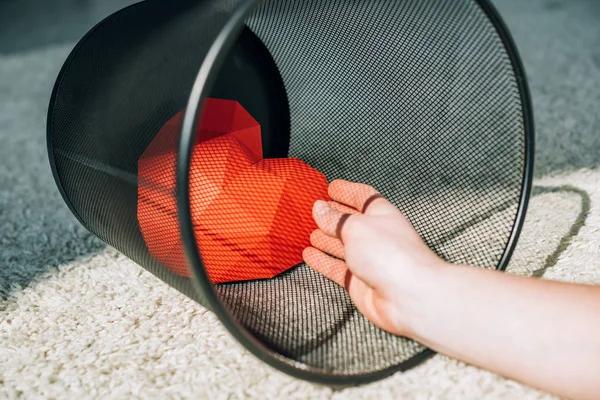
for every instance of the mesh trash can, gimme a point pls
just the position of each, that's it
(192, 135)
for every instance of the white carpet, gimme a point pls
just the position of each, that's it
(103, 326)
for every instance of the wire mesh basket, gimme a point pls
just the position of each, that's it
(194, 136)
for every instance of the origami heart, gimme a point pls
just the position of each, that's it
(252, 217)
(227, 141)
(261, 221)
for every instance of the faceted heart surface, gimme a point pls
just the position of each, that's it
(252, 217)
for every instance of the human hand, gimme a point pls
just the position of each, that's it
(365, 244)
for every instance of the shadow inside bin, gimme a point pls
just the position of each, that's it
(318, 323)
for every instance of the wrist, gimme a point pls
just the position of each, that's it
(423, 286)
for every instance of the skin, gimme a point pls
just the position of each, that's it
(542, 333)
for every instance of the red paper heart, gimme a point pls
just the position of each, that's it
(252, 217)
(261, 221)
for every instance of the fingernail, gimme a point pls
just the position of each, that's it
(321, 207)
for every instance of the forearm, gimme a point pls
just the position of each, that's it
(546, 334)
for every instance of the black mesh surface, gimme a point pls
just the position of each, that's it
(417, 98)
(119, 86)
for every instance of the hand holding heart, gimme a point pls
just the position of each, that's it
(365, 244)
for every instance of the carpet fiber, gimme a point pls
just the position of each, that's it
(79, 319)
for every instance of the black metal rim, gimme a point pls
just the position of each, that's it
(202, 86)
(529, 127)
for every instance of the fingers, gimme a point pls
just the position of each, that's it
(363, 198)
(331, 268)
(327, 244)
(343, 208)
(330, 220)
(360, 292)
(338, 272)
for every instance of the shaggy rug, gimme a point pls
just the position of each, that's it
(78, 319)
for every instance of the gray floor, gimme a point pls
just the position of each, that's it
(559, 41)
(31, 24)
